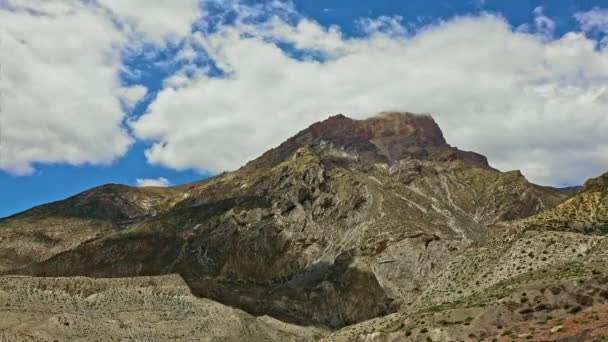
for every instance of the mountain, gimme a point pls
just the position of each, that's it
(542, 278)
(358, 223)
(45, 231)
(587, 212)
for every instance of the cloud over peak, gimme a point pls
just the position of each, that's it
(157, 182)
(523, 100)
(244, 78)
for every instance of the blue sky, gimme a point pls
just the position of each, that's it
(215, 100)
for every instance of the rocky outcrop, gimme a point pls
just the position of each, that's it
(586, 212)
(387, 137)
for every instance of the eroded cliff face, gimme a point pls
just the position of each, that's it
(347, 221)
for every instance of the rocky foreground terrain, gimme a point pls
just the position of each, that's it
(127, 309)
(362, 230)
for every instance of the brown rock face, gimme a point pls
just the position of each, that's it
(405, 129)
(387, 137)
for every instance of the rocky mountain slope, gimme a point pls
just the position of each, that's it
(346, 222)
(587, 212)
(542, 278)
(48, 230)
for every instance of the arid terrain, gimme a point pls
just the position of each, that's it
(351, 230)
(134, 309)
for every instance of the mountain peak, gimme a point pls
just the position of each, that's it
(597, 184)
(406, 129)
(385, 137)
(403, 129)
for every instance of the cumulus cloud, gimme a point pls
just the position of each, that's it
(61, 97)
(543, 26)
(59, 75)
(391, 25)
(157, 21)
(158, 182)
(525, 98)
(130, 96)
(187, 53)
(593, 20)
(525, 101)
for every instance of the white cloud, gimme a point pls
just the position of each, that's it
(187, 53)
(521, 96)
(130, 96)
(158, 182)
(391, 25)
(595, 19)
(60, 92)
(57, 91)
(157, 20)
(306, 35)
(525, 101)
(543, 26)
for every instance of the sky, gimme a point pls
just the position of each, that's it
(167, 92)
